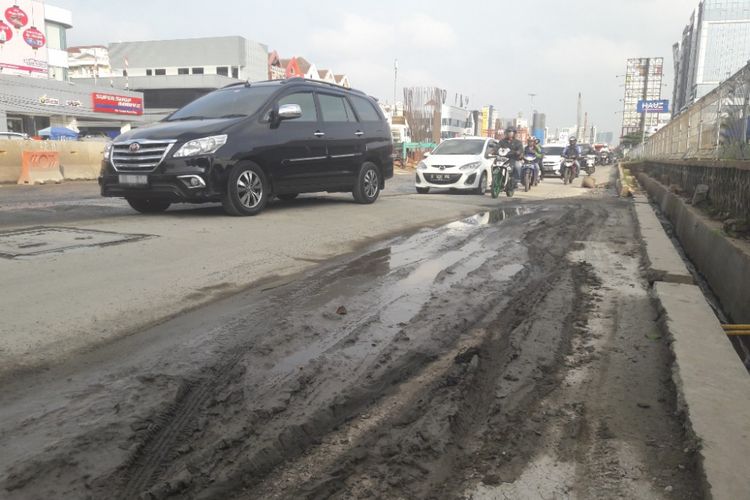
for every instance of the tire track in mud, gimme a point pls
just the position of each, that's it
(419, 470)
(140, 471)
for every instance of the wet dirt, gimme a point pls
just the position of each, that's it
(513, 354)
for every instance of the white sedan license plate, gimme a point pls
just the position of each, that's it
(133, 180)
(440, 177)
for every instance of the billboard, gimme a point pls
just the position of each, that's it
(653, 106)
(117, 104)
(23, 46)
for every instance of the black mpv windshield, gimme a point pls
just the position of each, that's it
(232, 102)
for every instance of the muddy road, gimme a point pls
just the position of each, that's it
(514, 354)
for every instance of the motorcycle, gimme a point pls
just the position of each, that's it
(528, 172)
(569, 169)
(589, 165)
(501, 174)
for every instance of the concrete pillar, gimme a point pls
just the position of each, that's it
(3, 121)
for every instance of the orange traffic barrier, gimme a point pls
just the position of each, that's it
(38, 167)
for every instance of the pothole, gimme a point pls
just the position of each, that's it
(36, 241)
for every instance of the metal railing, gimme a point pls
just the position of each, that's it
(714, 127)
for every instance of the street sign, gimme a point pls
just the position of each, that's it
(655, 106)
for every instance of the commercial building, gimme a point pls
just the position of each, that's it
(643, 81)
(172, 73)
(34, 91)
(715, 44)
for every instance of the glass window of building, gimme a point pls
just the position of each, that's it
(160, 72)
(235, 72)
(149, 72)
(222, 70)
(197, 71)
(183, 71)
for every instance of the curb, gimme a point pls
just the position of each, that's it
(712, 388)
(663, 261)
(711, 382)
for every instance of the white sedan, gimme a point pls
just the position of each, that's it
(464, 163)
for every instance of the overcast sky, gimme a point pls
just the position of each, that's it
(495, 52)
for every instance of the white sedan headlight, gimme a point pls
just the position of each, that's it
(472, 166)
(204, 146)
(422, 166)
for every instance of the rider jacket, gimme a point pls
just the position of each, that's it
(535, 150)
(514, 145)
(568, 150)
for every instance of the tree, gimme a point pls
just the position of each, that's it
(632, 139)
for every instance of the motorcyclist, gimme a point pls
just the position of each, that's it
(533, 148)
(515, 154)
(541, 160)
(572, 150)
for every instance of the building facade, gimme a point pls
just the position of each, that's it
(455, 121)
(715, 44)
(89, 62)
(643, 81)
(35, 91)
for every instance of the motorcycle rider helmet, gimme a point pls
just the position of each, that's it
(573, 140)
(510, 130)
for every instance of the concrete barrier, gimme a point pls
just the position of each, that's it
(40, 167)
(724, 262)
(78, 160)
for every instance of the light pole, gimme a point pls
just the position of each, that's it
(395, 84)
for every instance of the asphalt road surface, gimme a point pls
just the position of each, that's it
(439, 346)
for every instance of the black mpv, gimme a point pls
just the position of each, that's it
(247, 142)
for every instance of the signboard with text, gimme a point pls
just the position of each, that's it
(117, 104)
(23, 45)
(654, 106)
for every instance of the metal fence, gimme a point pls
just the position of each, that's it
(714, 127)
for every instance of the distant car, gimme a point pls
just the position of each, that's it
(552, 158)
(249, 142)
(462, 163)
(13, 136)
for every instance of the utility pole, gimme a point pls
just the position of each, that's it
(580, 115)
(395, 84)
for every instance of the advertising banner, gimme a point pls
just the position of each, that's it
(23, 46)
(654, 106)
(485, 121)
(117, 104)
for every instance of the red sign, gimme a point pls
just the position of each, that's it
(16, 16)
(34, 38)
(117, 104)
(5, 33)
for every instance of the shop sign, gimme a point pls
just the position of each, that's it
(117, 104)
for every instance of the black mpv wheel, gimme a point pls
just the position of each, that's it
(367, 188)
(247, 191)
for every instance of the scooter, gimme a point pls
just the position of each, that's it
(501, 174)
(569, 170)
